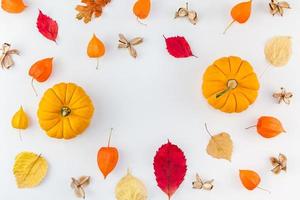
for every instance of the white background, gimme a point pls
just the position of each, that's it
(150, 99)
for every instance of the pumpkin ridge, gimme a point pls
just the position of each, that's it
(57, 96)
(216, 66)
(57, 89)
(48, 101)
(71, 100)
(229, 64)
(71, 94)
(235, 99)
(238, 71)
(245, 97)
(246, 76)
(53, 125)
(68, 120)
(224, 101)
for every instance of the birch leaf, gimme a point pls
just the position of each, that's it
(278, 50)
(29, 169)
(220, 146)
(130, 188)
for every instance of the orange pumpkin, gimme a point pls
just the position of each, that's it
(230, 84)
(65, 111)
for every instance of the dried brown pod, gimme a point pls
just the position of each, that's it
(283, 96)
(6, 60)
(124, 43)
(278, 7)
(185, 12)
(205, 185)
(279, 164)
(79, 184)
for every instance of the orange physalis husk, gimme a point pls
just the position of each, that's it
(107, 158)
(250, 179)
(95, 49)
(240, 13)
(268, 127)
(141, 9)
(40, 71)
(13, 6)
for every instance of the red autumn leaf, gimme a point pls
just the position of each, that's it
(178, 47)
(47, 26)
(169, 168)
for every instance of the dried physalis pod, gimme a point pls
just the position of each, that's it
(79, 184)
(124, 43)
(185, 12)
(6, 60)
(279, 163)
(278, 7)
(283, 96)
(205, 185)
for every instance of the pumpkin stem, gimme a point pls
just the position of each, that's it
(35, 92)
(65, 111)
(111, 130)
(229, 25)
(251, 126)
(231, 84)
(139, 21)
(264, 189)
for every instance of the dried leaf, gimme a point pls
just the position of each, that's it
(279, 163)
(178, 47)
(6, 60)
(29, 169)
(199, 184)
(278, 7)
(47, 26)
(283, 96)
(91, 7)
(124, 43)
(130, 188)
(79, 184)
(278, 50)
(169, 168)
(185, 12)
(220, 146)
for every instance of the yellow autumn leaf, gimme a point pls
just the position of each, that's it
(20, 119)
(130, 188)
(220, 146)
(278, 50)
(29, 169)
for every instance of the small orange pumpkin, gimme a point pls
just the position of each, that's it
(230, 84)
(65, 111)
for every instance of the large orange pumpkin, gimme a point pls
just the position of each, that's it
(65, 111)
(230, 84)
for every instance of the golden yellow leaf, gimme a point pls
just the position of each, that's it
(278, 50)
(20, 119)
(220, 146)
(130, 188)
(29, 169)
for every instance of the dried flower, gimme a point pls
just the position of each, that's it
(185, 12)
(279, 163)
(79, 184)
(199, 184)
(124, 43)
(5, 58)
(283, 96)
(278, 7)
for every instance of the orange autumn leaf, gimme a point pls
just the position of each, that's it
(240, 13)
(91, 7)
(41, 70)
(250, 179)
(95, 48)
(141, 8)
(107, 158)
(13, 6)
